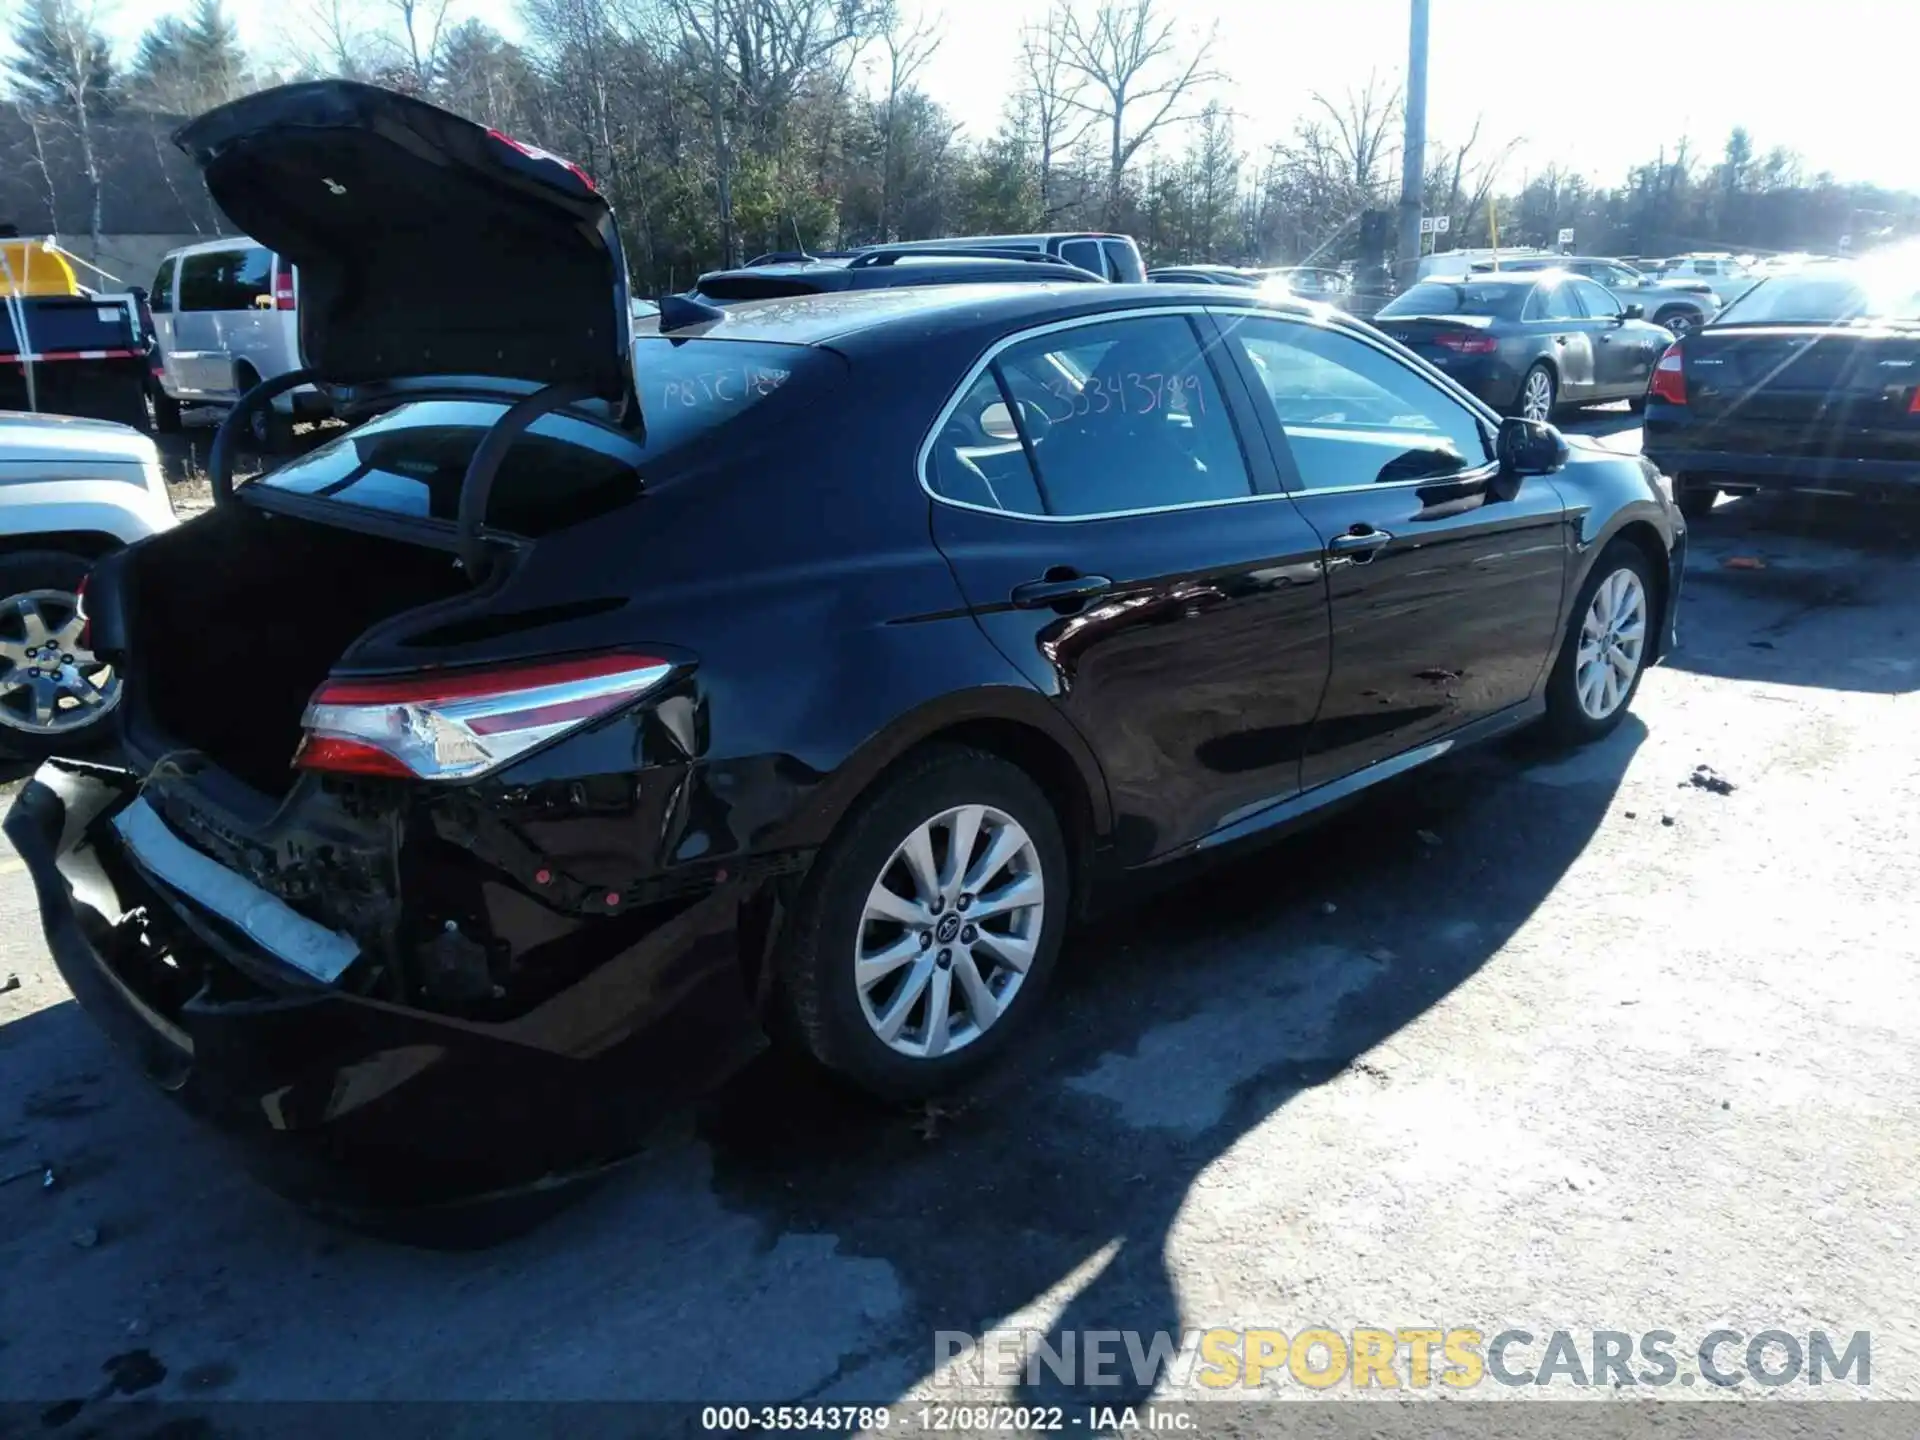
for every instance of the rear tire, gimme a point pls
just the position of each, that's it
(166, 412)
(1678, 321)
(1610, 631)
(45, 583)
(1693, 500)
(1539, 393)
(1636, 404)
(840, 1012)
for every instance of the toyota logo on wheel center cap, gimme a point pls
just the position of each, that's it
(949, 927)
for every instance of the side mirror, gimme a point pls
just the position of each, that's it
(1529, 447)
(1633, 312)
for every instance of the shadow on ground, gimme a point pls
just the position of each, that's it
(1800, 590)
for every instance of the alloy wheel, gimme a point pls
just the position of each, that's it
(949, 930)
(1613, 639)
(1536, 401)
(1678, 325)
(50, 684)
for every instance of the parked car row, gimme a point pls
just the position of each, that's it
(618, 696)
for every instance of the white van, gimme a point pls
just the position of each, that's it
(226, 314)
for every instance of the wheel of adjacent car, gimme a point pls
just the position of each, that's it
(166, 412)
(55, 697)
(929, 925)
(1695, 501)
(1678, 321)
(1538, 393)
(268, 430)
(1609, 637)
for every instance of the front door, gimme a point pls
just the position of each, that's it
(1620, 366)
(1125, 550)
(1444, 577)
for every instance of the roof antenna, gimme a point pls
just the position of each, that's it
(798, 243)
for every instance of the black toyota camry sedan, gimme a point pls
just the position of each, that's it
(1529, 343)
(619, 693)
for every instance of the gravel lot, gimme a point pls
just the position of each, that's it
(1524, 1042)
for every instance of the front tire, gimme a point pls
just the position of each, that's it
(55, 697)
(1610, 636)
(1539, 393)
(1678, 323)
(929, 926)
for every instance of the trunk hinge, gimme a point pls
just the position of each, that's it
(476, 487)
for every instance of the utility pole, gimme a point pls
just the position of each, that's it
(1413, 162)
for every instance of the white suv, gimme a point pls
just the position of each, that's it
(70, 491)
(226, 314)
(1727, 277)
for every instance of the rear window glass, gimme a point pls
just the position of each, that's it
(1432, 297)
(411, 461)
(1832, 298)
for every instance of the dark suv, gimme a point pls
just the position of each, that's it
(885, 270)
(624, 692)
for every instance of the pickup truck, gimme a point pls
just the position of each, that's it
(65, 348)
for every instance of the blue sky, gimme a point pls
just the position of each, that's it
(1593, 87)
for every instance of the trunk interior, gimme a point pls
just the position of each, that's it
(234, 621)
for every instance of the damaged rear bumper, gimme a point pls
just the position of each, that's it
(355, 1104)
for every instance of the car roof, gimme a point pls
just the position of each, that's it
(226, 242)
(835, 315)
(1487, 277)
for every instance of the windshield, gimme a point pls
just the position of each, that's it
(412, 460)
(1434, 297)
(1886, 291)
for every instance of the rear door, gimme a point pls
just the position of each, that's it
(1621, 363)
(199, 361)
(1444, 578)
(1555, 315)
(248, 327)
(1136, 562)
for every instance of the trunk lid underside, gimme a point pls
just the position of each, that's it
(427, 245)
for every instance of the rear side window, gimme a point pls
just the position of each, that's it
(1123, 262)
(160, 302)
(1124, 415)
(1085, 254)
(250, 279)
(203, 280)
(226, 279)
(412, 460)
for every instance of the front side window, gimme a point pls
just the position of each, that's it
(1353, 415)
(1123, 264)
(1123, 415)
(160, 302)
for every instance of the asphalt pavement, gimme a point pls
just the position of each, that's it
(1526, 1042)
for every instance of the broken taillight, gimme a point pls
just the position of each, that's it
(461, 725)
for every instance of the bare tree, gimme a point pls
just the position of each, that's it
(1364, 123)
(1128, 57)
(908, 51)
(62, 68)
(1050, 92)
(422, 24)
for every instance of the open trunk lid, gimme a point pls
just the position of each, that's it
(427, 245)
